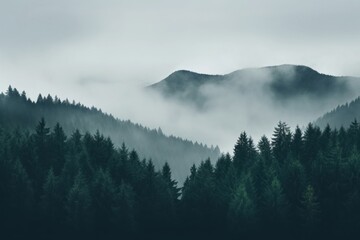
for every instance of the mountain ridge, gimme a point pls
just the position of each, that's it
(18, 110)
(341, 116)
(283, 82)
(189, 72)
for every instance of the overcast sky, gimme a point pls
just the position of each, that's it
(96, 51)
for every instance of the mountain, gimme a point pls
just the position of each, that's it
(283, 83)
(253, 99)
(16, 110)
(185, 85)
(341, 116)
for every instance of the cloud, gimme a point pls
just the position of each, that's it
(102, 52)
(90, 80)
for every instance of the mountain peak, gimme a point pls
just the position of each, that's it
(181, 80)
(296, 68)
(282, 82)
(284, 68)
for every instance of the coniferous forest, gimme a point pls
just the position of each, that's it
(296, 185)
(17, 110)
(179, 120)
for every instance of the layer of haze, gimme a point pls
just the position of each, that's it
(103, 53)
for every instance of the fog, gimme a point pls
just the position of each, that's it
(104, 53)
(244, 101)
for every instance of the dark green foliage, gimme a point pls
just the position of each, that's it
(342, 115)
(82, 187)
(18, 111)
(309, 211)
(51, 203)
(242, 212)
(78, 205)
(280, 142)
(298, 187)
(244, 153)
(297, 144)
(265, 150)
(199, 205)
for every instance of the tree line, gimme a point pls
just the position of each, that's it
(17, 110)
(296, 185)
(342, 115)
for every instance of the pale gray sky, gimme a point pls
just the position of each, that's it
(99, 51)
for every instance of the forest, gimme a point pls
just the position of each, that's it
(17, 110)
(296, 185)
(342, 115)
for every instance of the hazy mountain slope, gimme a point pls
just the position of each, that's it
(343, 115)
(253, 99)
(284, 82)
(17, 110)
(186, 85)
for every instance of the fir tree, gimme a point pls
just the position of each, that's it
(281, 142)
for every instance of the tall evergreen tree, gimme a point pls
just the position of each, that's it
(170, 183)
(51, 203)
(311, 145)
(242, 212)
(281, 142)
(104, 202)
(297, 144)
(244, 153)
(58, 147)
(265, 150)
(310, 211)
(78, 205)
(41, 138)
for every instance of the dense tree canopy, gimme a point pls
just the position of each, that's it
(16, 110)
(294, 186)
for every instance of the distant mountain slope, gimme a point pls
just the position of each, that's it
(254, 99)
(185, 85)
(284, 82)
(16, 110)
(343, 115)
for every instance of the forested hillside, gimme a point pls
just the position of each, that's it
(296, 185)
(16, 110)
(343, 115)
(58, 187)
(254, 99)
(284, 82)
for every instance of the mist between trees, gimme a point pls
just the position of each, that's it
(293, 186)
(16, 110)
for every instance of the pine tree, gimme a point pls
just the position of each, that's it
(294, 183)
(51, 202)
(265, 150)
(103, 198)
(75, 142)
(310, 211)
(260, 177)
(171, 184)
(311, 145)
(198, 199)
(42, 149)
(222, 166)
(281, 142)
(58, 146)
(124, 210)
(242, 212)
(297, 144)
(17, 197)
(244, 153)
(353, 134)
(275, 206)
(78, 205)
